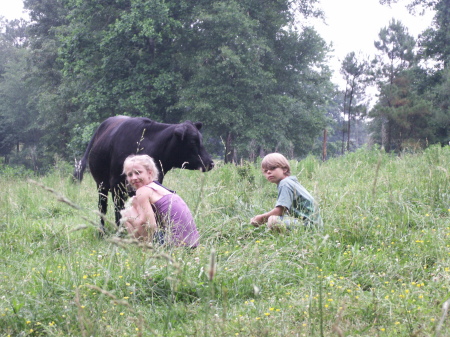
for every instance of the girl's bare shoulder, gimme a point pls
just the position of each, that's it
(152, 192)
(158, 189)
(143, 193)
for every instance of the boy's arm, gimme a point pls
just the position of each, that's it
(262, 218)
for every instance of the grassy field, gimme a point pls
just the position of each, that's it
(380, 266)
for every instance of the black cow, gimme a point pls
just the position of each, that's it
(170, 145)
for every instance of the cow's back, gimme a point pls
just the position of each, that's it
(102, 150)
(117, 138)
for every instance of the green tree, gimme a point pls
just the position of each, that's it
(17, 119)
(434, 82)
(435, 41)
(409, 113)
(52, 99)
(94, 59)
(396, 55)
(355, 73)
(239, 67)
(122, 54)
(253, 79)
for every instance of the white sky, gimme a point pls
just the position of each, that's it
(11, 9)
(352, 25)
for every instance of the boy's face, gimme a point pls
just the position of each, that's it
(274, 174)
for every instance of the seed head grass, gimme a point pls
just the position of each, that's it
(379, 267)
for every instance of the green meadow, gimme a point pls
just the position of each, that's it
(379, 267)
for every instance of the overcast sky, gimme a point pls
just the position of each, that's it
(352, 25)
(11, 9)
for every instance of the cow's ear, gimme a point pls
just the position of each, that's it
(198, 125)
(180, 130)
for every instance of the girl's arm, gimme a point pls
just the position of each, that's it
(139, 217)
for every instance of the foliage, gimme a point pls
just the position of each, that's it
(441, 102)
(242, 68)
(379, 267)
(396, 47)
(409, 115)
(401, 114)
(253, 71)
(17, 118)
(121, 55)
(355, 73)
(435, 41)
(431, 83)
(81, 138)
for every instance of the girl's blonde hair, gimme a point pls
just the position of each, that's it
(274, 160)
(144, 160)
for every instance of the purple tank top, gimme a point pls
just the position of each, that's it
(176, 219)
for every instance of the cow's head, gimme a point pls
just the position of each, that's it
(192, 153)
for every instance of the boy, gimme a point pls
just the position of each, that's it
(294, 205)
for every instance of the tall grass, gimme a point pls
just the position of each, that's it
(380, 266)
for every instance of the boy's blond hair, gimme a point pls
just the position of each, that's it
(274, 160)
(144, 160)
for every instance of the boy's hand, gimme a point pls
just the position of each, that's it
(257, 220)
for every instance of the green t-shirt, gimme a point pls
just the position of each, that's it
(297, 200)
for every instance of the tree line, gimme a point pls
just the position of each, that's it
(413, 81)
(253, 71)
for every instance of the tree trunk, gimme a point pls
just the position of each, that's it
(343, 122)
(388, 136)
(349, 118)
(262, 153)
(386, 133)
(348, 132)
(229, 149)
(324, 146)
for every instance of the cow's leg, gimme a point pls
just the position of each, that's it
(119, 197)
(102, 206)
